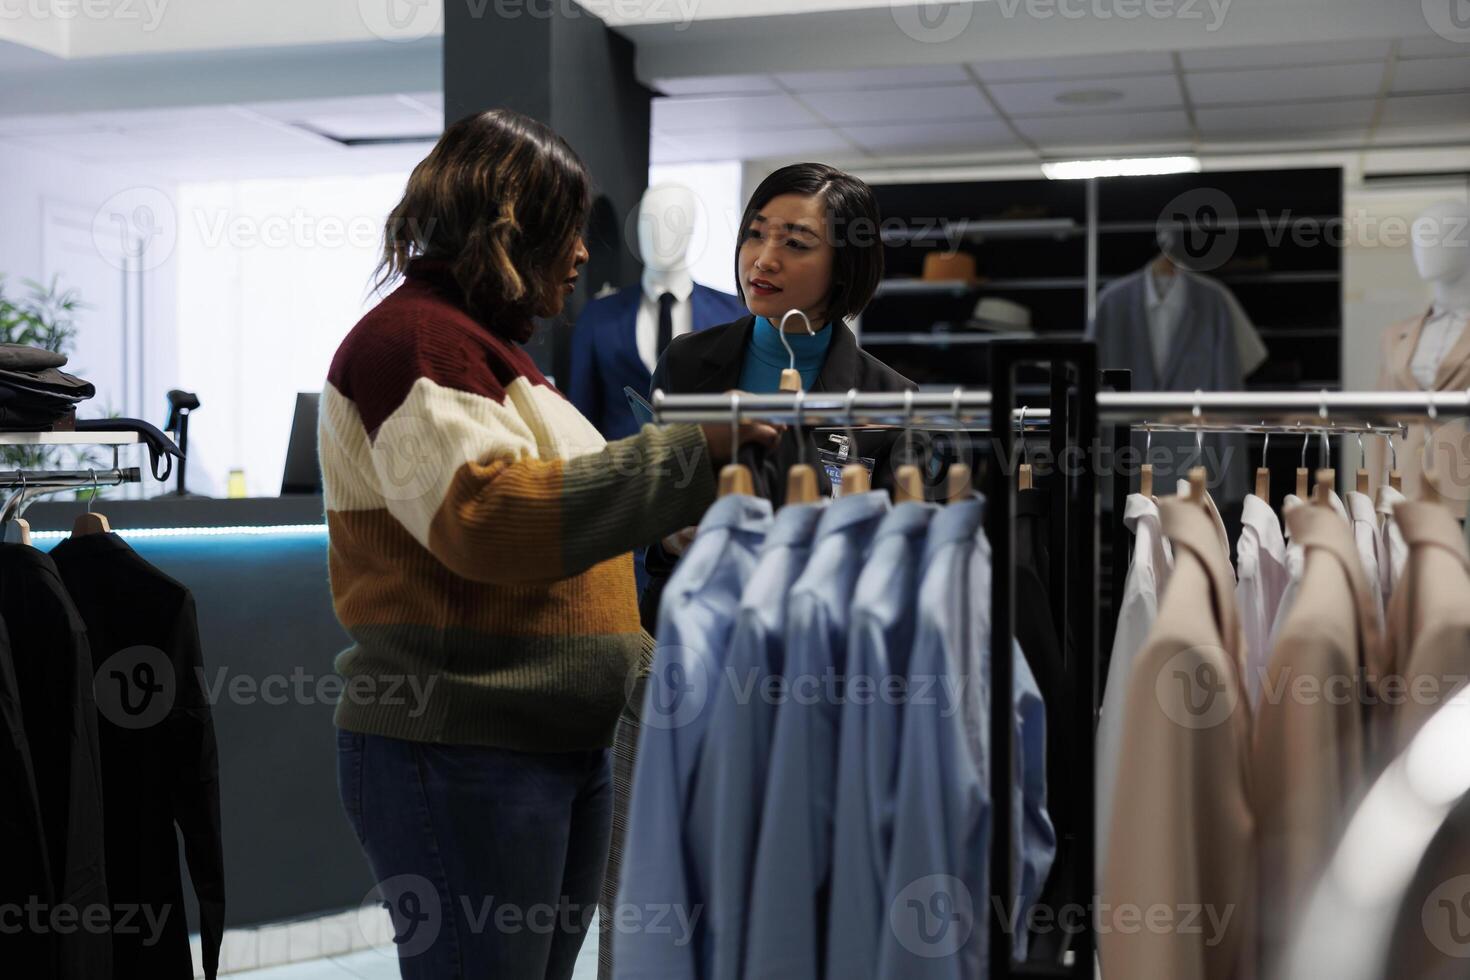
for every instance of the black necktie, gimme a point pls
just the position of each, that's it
(665, 322)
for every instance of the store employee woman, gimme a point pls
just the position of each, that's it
(480, 532)
(809, 242)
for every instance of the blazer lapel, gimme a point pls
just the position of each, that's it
(840, 369)
(720, 367)
(1404, 355)
(1454, 370)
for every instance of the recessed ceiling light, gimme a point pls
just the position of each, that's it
(1090, 96)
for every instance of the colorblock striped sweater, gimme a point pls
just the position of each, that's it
(480, 532)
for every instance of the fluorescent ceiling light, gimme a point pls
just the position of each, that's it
(1121, 167)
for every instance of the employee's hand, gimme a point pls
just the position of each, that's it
(678, 542)
(722, 451)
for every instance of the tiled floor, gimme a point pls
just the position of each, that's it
(382, 964)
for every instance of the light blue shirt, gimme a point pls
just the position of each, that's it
(793, 860)
(936, 897)
(724, 813)
(695, 618)
(879, 641)
(766, 357)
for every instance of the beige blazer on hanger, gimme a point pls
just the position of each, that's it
(1395, 355)
(1309, 741)
(1181, 832)
(1428, 617)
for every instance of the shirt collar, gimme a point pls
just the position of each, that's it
(794, 525)
(1138, 506)
(853, 509)
(955, 522)
(1258, 516)
(681, 290)
(737, 512)
(910, 517)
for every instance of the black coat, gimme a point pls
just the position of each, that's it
(710, 362)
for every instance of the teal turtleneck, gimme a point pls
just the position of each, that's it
(766, 358)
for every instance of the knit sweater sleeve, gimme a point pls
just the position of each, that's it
(494, 471)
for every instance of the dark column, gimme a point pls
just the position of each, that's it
(560, 64)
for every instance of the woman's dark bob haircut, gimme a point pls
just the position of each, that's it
(852, 228)
(500, 199)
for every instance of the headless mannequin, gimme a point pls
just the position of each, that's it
(1431, 351)
(665, 230)
(1442, 257)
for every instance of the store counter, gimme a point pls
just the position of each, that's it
(258, 571)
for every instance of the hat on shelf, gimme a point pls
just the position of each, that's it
(949, 266)
(1000, 316)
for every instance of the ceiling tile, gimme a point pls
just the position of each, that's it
(1432, 47)
(1430, 74)
(716, 84)
(714, 113)
(1273, 55)
(1039, 98)
(1090, 66)
(1350, 118)
(1272, 85)
(1421, 110)
(404, 123)
(747, 144)
(943, 102)
(983, 134)
(819, 81)
(1097, 128)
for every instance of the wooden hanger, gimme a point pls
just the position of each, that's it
(855, 476)
(1197, 479)
(908, 484)
(801, 479)
(790, 377)
(89, 521)
(22, 530)
(736, 477)
(959, 483)
(1024, 478)
(1146, 471)
(1263, 473)
(1326, 482)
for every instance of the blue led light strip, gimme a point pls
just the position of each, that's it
(272, 530)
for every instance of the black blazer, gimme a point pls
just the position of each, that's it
(710, 362)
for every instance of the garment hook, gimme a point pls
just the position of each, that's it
(734, 424)
(1306, 440)
(94, 491)
(782, 331)
(1021, 434)
(1148, 439)
(1265, 446)
(852, 444)
(908, 424)
(1393, 449)
(800, 442)
(1199, 432)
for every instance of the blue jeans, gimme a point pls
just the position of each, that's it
(488, 860)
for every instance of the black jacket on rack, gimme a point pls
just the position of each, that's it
(25, 874)
(53, 674)
(160, 762)
(710, 362)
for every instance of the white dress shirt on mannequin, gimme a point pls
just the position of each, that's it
(647, 323)
(1441, 329)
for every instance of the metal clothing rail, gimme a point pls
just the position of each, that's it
(1287, 410)
(29, 484)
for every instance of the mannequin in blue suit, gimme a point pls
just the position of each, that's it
(607, 351)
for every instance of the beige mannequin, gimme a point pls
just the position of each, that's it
(1442, 256)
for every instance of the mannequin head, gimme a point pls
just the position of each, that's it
(665, 227)
(1442, 243)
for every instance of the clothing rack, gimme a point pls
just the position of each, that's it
(1081, 404)
(23, 486)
